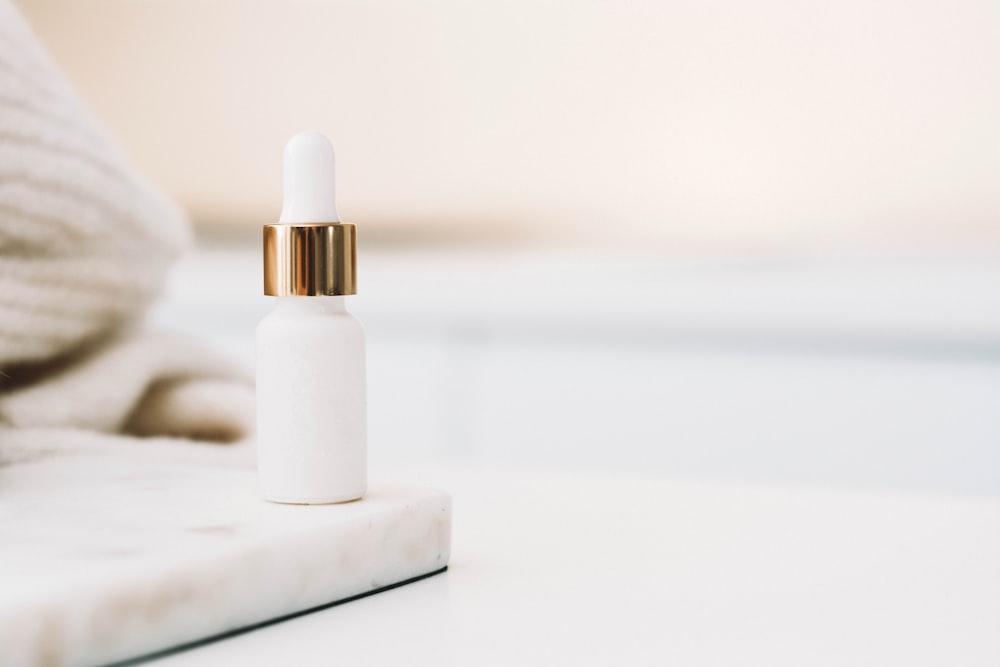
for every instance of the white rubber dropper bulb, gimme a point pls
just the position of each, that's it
(309, 194)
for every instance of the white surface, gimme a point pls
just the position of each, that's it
(309, 194)
(311, 401)
(561, 570)
(104, 559)
(858, 376)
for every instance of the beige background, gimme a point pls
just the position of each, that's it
(720, 125)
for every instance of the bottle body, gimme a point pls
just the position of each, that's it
(311, 402)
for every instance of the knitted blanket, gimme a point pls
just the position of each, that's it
(84, 248)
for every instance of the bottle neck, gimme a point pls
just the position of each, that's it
(311, 304)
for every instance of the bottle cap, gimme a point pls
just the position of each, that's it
(309, 252)
(318, 259)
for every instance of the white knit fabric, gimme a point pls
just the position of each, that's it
(84, 247)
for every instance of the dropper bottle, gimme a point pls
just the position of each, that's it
(311, 389)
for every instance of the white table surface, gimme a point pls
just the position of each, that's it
(844, 407)
(550, 569)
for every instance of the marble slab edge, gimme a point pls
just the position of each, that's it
(106, 562)
(138, 660)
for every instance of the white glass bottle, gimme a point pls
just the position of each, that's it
(311, 386)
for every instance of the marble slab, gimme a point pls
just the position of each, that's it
(103, 560)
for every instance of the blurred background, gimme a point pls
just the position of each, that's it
(755, 241)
